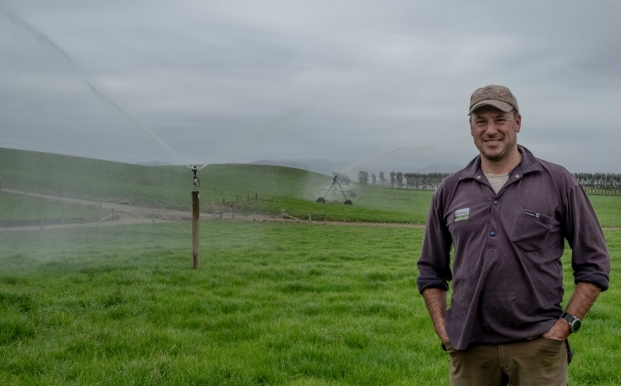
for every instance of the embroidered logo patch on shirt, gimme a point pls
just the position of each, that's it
(462, 214)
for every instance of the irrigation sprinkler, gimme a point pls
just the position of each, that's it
(338, 182)
(195, 181)
(341, 179)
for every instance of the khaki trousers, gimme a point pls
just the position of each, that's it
(539, 361)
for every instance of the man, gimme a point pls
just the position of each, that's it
(507, 216)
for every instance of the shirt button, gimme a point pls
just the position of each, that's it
(492, 234)
(517, 176)
(495, 202)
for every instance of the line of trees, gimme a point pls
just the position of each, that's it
(417, 181)
(600, 183)
(593, 183)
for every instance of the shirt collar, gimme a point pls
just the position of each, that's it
(528, 164)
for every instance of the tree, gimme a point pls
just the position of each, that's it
(392, 179)
(374, 178)
(382, 179)
(363, 177)
(399, 179)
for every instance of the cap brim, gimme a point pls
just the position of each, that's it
(500, 105)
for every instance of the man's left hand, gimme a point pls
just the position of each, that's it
(559, 331)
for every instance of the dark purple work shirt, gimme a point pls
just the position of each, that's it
(507, 273)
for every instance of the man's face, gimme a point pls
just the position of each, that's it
(494, 132)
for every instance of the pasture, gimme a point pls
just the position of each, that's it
(272, 304)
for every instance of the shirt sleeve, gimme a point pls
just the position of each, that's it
(434, 262)
(590, 259)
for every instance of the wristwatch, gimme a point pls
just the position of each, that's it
(574, 323)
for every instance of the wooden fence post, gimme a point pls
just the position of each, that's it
(195, 231)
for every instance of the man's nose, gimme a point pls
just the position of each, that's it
(491, 128)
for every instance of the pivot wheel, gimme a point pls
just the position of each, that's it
(321, 200)
(348, 202)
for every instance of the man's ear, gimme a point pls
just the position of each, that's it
(518, 123)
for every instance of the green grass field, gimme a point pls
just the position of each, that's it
(20, 207)
(272, 304)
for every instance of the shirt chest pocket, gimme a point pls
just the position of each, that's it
(532, 230)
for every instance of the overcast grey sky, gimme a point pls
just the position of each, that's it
(238, 81)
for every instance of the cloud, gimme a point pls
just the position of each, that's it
(368, 75)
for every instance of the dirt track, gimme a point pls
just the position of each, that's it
(126, 214)
(123, 214)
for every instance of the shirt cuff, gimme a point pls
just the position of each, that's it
(597, 278)
(431, 282)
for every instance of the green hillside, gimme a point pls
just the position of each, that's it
(169, 187)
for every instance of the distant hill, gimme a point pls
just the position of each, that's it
(167, 186)
(320, 166)
(250, 188)
(153, 163)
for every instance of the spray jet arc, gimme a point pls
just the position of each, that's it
(338, 182)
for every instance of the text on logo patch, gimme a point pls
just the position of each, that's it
(462, 214)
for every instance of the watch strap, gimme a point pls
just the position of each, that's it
(574, 322)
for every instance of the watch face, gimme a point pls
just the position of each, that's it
(575, 326)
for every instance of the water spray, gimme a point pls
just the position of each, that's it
(372, 158)
(46, 41)
(265, 130)
(107, 100)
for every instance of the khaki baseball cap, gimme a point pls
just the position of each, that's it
(498, 96)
